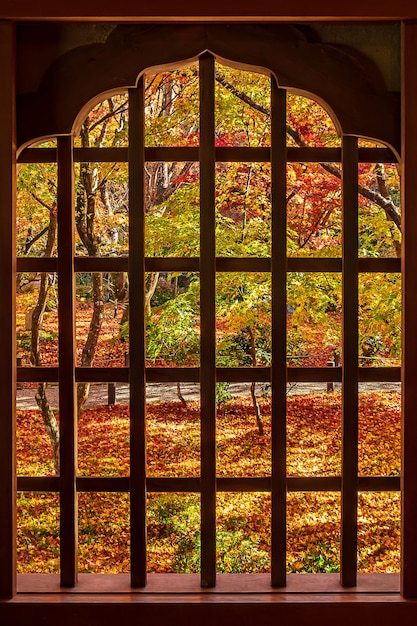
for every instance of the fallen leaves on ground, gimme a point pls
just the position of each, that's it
(110, 349)
(243, 537)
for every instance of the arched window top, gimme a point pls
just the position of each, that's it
(242, 113)
(334, 76)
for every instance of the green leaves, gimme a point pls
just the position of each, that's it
(173, 333)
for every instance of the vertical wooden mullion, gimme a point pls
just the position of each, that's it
(349, 502)
(279, 329)
(137, 378)
(208, 322)
(7, 312)
(67, 390)
(409, 305)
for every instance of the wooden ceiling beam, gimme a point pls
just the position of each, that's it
(233, 10)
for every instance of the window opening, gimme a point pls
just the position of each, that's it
(248, 263)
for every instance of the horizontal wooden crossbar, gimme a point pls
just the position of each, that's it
(121, 484)
(223, 155)
(223, 374)
(223, 264)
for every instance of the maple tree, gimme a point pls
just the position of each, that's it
(243, 228)
(37, 191)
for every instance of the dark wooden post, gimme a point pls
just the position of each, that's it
(111, 393)
(137, 375)
(409, 290)
(208, 322)
(330, 386)
(350, 266)
(7, 314)
(279, 334)
(67, 389)
(19, 364)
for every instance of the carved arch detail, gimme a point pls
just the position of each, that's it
(349, 86)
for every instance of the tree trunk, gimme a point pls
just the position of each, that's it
(90, 346)
(180, 396)
(48, 415)
(151, 282)
(383, 190)
(150, 286)
(50, 422)
(255, 402)
(85, 217)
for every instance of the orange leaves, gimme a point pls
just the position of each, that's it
(313, 440)
(173, 444)
(314, 435)
(379, 434)
(33, 448)
(379, 532)
(110, 349)
(243, 542)
(104, 535)
(38, 533)
(103, 441)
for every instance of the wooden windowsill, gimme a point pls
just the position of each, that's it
(237, 600)
(227, 584)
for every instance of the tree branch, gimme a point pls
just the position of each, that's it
(30, 243)
(391, 210)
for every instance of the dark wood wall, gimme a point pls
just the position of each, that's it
(302, 10)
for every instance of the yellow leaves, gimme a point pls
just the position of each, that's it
(379, 532)
(104, 534)
(38, 533)
(380, 434)
(243, 519)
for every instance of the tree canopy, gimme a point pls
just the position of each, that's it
(243, 229)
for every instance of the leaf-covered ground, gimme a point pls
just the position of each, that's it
(110, 349)
(311, 350)
(243, 542)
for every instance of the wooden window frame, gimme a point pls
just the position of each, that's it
(392, 604)
(66, 264)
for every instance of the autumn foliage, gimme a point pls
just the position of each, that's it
(243, 213)
(314, 449)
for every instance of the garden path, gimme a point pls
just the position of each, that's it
(159, 392)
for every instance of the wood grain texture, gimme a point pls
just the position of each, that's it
(301, 609)
(223, 374)
(409, 303)
(217, 11)
(349, 541)
(66, 369)
(223, 264)
(279, 336)
(226, 584)
(300, 63)
(192, 485)
(207, 322)
(7, 312)
(223, 154)
(137, 378)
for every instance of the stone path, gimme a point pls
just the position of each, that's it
(159, 392)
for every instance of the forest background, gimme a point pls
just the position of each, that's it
(243, 332)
